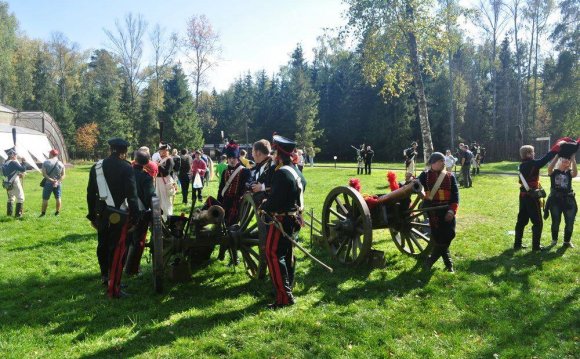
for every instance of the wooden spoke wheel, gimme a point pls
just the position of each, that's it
(246, 236)
(412, 235)
(156, 247)
(347, 226)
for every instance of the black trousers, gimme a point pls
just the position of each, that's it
(108, 236)
(281, 260)
(368, 167)
(567, 206)
(529, 211)
(442, 233)
(466, 174)
(184, 180)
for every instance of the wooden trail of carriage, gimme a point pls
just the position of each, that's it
(181, 244)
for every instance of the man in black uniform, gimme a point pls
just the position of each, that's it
(145, 194)
(184, 168)
(110, 191)
(284, 204)
(530, 207)
(368, 157)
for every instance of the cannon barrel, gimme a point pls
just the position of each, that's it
(403, 192)
(212, 215)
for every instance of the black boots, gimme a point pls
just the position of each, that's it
(10, 209)
(18, 211)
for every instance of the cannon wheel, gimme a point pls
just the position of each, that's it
(157, 247)
(413, 236)
(249, 238)
(347, 226)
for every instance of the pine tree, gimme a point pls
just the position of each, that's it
(180, 124)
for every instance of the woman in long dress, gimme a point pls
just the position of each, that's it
(164, 182)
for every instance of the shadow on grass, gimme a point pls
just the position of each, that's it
(515, 268)
(66, 240)
(76, 305)
(382, 287)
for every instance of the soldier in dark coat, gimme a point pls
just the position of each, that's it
(530, 207)
(285, 204)
(145, 193)
(113, 208)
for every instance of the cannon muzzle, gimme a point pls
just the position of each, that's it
(403, 192)
(212, 215)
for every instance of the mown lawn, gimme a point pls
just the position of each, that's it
(499, 303)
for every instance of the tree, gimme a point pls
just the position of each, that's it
(127, 45)
(397, 39)
(164, 49)
(180, 124)
(202, 50)
(86, 139)
(514, 8)
(303, 101)
(8, 28)
(493, 21)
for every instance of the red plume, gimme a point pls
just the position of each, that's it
(354, 183)
(392, 178)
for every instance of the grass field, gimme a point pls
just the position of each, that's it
(498, 304)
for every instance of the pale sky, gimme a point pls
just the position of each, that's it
(254, 34)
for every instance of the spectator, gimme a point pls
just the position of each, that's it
(198, 169)
(300, 154)
(466, 166)
(368, 157)
(186, 162)
(449, 161)
(311, 153)
(53, 172)
(221, 167)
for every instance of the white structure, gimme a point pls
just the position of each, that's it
(36, 134)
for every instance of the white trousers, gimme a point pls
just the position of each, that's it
(17, 192)
(165, 200)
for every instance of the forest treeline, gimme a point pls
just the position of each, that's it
(502, 89)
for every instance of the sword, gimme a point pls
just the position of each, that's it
(278, 225)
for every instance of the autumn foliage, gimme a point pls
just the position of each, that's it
(86, 139)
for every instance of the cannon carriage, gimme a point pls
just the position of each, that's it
(348, 222)
(181, 244)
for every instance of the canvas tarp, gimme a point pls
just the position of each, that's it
(31, 145)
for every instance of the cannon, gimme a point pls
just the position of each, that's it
(181, 244)
(348, 222)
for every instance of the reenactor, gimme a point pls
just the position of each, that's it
(13, 172)
(440, 190)
(113, 209)
(284, 208)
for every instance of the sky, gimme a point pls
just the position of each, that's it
(254, 34)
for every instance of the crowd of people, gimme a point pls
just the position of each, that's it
(120, 196)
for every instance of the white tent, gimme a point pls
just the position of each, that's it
(31, 145)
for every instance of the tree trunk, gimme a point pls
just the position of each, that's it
(452, 102)
(520, 109)
(420, 96)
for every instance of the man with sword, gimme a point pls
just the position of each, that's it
(284, 206)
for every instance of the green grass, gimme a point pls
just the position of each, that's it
(516, 305)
